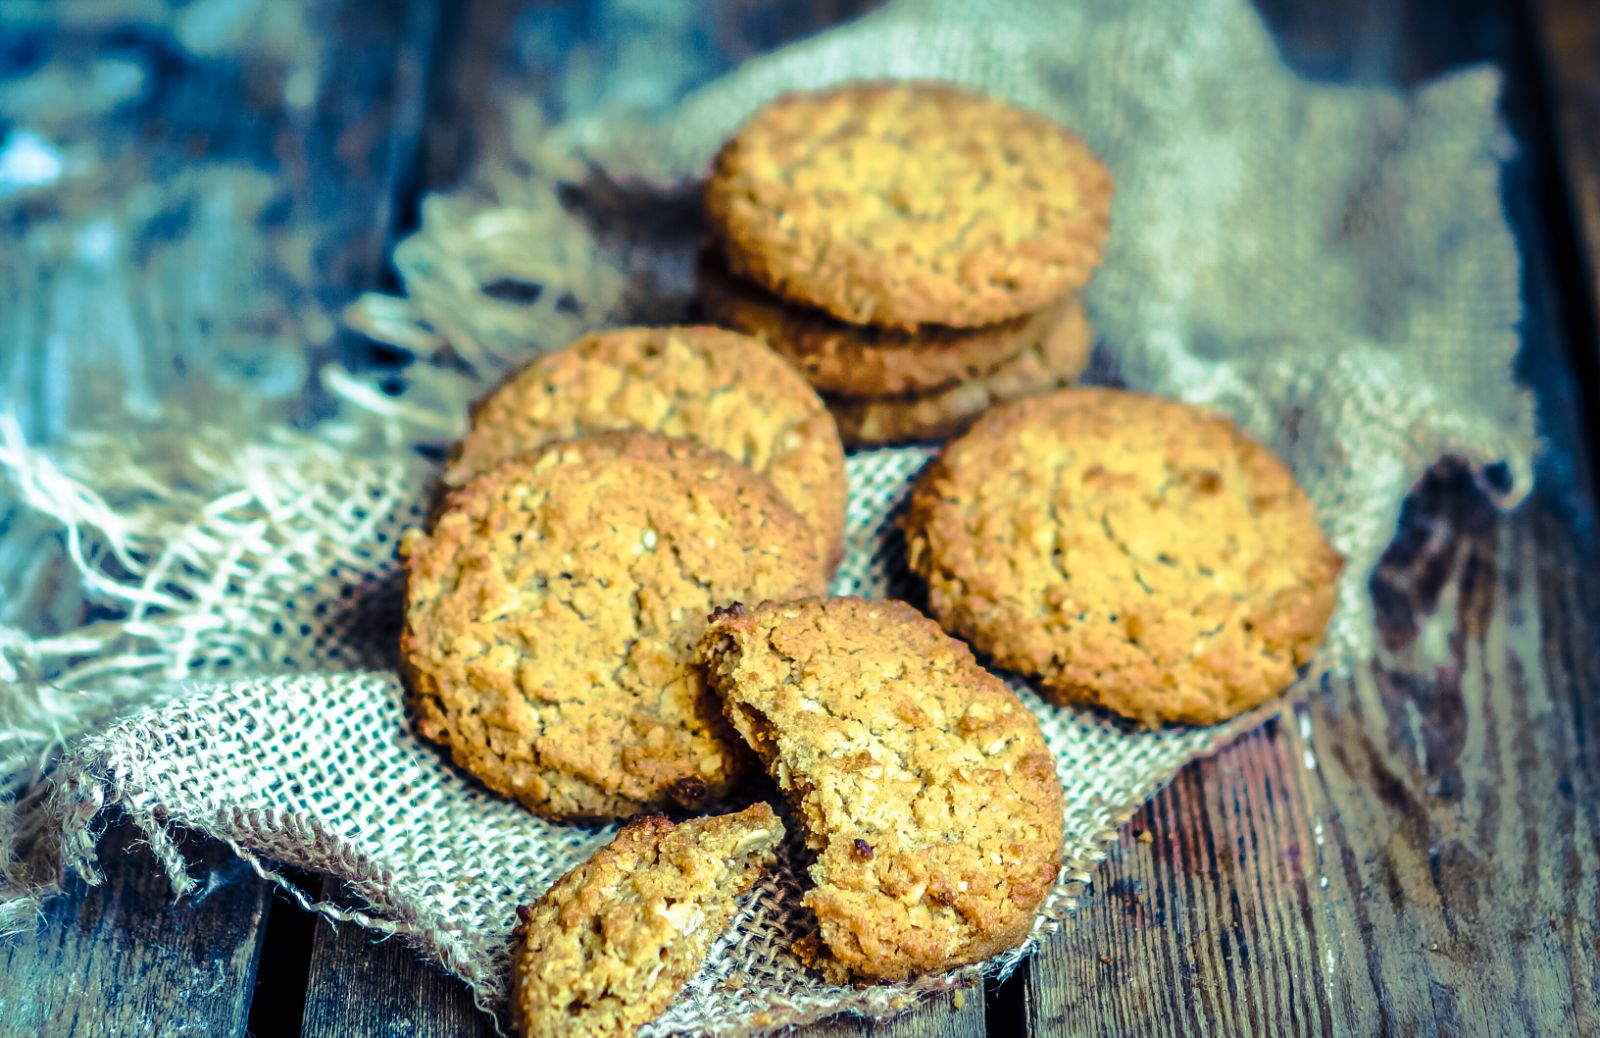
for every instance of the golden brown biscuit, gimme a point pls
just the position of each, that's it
(922, 783)
(1054, 362)
(909, 203)
(856, 360)
(611, 943)
(1132, 552)
(552, 613)
(710, 385)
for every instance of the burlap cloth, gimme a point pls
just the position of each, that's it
(1331, 265)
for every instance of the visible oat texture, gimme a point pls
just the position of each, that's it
(552, 614)
(923, 784)
(909, 203)
(1132, 552)
(1054, 361)
(857, 360)
(710, 385)
(611, 943)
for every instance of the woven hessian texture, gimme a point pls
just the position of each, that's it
(1329, 265)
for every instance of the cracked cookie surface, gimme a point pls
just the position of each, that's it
(552, 614)
(710, 385)
(1056, 360)
(923, 784)
(1131, 552)
(855, 360)
(609, 946)
(909, 203)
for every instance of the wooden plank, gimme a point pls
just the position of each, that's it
(213, 219)
(1564, 36)
(580, 56)
(1462, 898)
(120, 958)
(958, 1014)
(1568, 35)
(359, 984)
(1196, 924)
(217, 213)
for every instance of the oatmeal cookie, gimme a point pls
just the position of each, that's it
(857, 360)
(611, 943)
(1055, 361)
(909, 203)
(1131, 552)
(552, 613)
(922, 783)
(711, 385)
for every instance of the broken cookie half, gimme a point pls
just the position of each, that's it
(923, 784)
(611, 943)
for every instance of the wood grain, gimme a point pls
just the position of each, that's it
(121, 958)
(1568, 35)
(1564, 38)
(1413, 851)
(1197, 923)
(954, 1015)
(222, 205)
(360, 985)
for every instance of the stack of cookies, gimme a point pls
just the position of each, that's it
(914, 249)
(575, 636)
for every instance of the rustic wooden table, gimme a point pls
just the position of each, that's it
(1411, 851)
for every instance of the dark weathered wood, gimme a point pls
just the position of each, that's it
(1459, 792)
(1195, 924)
(222, 210)
(1569, 36)
(359, 984)
(1565, 38)
(959, 1014)
(579, 56)
(121, 958)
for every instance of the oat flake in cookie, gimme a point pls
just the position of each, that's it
(1131, 552)
(611, 943)
(923, 784)
(910, 203)
(552, 614)
(710, 385)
